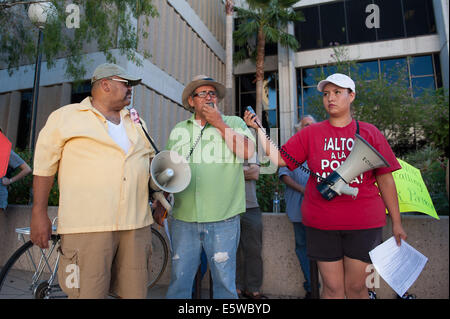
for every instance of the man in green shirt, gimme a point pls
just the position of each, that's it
(206, 213)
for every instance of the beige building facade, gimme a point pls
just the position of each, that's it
(188, 38)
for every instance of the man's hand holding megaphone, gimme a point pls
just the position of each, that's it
(159, 212)
(170, 173)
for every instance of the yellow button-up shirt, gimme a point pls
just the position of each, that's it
(101, 187)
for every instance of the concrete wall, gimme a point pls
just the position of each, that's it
(427, 235)
(282, 274)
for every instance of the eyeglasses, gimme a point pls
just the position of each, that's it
(203, 94)
(126, 82)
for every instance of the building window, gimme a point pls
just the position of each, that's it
(419, 17)
(24, 127)
(358, 21)
(391, 20)
(246, 95)
(332, 24)
(80, 92)
(423, 72)
(358, 31)
(369, 69)
(308, 32)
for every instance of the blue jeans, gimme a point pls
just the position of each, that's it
(219, 240)
(300, 250)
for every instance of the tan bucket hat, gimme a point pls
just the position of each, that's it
(107, 70)
(201, 80)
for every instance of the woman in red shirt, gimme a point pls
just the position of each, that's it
(341, 231)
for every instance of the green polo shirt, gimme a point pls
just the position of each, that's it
(217, 188)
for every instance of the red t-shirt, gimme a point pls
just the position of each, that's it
(325, 148)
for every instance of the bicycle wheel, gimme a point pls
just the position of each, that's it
(27, 274)
(159, 258)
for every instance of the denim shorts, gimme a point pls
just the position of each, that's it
(333, 245)
(3, 196)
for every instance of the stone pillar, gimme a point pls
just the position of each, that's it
(287, 104)
(442, 26)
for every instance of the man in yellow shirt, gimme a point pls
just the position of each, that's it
(102, 159)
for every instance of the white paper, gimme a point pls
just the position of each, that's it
(399, 266)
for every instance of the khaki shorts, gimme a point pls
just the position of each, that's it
(92, 265)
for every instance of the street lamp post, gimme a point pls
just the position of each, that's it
(38, 14)
(37, 76)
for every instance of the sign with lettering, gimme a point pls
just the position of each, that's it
(412, 192)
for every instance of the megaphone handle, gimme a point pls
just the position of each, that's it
(348, 190)
(160, 197)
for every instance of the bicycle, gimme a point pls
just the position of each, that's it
(31, 272)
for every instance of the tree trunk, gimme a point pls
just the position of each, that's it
(260, 46)
(228, 105)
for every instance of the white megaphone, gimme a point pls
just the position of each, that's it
(362, 158)
(170, 173)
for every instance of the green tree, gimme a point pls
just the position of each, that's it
(387, 101)
(108, 24)
(434, 110)
(266, 21)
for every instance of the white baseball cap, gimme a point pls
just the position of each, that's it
(338, 79)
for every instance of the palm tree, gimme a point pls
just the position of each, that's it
(266, 21)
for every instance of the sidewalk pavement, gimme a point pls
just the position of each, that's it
(159, 292)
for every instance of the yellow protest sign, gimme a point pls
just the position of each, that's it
(412, 192)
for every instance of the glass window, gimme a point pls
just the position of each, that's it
(80, 92)
(247, 99)
(419, 17)
(419, 84)
(421, 65)
(271, 49)
(310, 98)
(24, 127)
(328, 70)
(332, 23)
(358, 30)
(437, 68)
(424, 74)
(270, 101)
(393, 68)
(246, 95)
(247, 83)
(270, 119)
(367, 70)
(308, 32)
(391, 19)
(309, 76)
(347, 21)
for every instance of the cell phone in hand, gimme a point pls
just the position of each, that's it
(250, 109)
